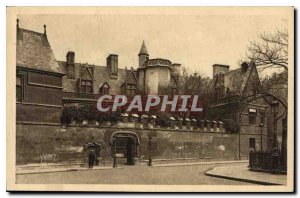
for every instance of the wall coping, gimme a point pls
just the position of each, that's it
(123, 128)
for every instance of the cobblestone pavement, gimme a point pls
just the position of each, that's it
(192, 174)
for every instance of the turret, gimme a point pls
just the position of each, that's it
(143, 55)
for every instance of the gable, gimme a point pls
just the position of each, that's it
(104, 85)
(86, 74)
(253, 84)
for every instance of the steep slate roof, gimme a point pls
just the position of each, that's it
(34, 51)
(101, 75)
(236, 79)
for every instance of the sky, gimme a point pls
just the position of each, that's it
(196, 40)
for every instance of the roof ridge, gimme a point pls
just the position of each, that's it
(31, 31)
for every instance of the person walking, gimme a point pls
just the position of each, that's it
(91, 158)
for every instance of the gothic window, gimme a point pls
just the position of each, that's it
(131, 90)
(19, 88)
(86, 86)
(252, 116)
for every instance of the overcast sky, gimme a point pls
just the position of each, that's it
(196, 41)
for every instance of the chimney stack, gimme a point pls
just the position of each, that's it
(112, 65)
(244, 67)
(70, 65)
(220, 69)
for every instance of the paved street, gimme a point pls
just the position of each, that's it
(193, 174)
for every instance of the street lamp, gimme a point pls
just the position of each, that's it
(149, 150)
(275, 106)
(115, 153)
(261, 136)
(275, 156)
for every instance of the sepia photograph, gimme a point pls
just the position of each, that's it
(150, 99)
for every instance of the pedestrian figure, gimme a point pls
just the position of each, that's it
(91, 158)
(251, 157)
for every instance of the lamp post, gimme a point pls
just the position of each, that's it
(275, 156)
(149, 150)
(115, 152)
(261, 136)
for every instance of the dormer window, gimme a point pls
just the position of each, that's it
(104, 89)
(86, 86)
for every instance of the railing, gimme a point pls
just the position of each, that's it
(158, 61)
(266, 161)
(77, 95)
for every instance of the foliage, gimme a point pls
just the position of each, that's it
(68, 114)
(194, 84)
(270, 50)
(232, 125)
(163, 120)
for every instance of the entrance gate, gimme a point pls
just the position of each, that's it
(125, 146)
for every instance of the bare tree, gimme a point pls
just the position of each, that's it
(270, 50)
(194, 83)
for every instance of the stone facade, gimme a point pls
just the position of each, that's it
(34, 141)
(39, 79)
(45, 86)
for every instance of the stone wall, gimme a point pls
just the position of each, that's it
(64, 144)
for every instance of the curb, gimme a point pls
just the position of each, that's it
(66, 170)
(240, 179)
(200, 163)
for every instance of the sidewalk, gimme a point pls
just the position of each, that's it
(200, 163)
(49, 168)
(38, 170)
(242, 173)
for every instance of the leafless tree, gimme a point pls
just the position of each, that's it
(194, 83)
(270, 50)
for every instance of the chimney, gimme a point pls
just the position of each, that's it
(112, 65)
(70, 69)
(220, 69)
(176, 68)
(244, 67)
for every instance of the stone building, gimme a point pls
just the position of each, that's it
(45, 86)
(38, 79)
(233, 90)
(85, 82)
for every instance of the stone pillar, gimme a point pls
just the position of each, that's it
(222, 129)
(188, 123)
(124, 117)
(152, 121)
(172, 122)
(194, 124)
(145, 120)
(214, 126)
(180, 123)
(209, 125)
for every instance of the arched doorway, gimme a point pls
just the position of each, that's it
(125, 145)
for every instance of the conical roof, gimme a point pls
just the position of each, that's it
(143, 50)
